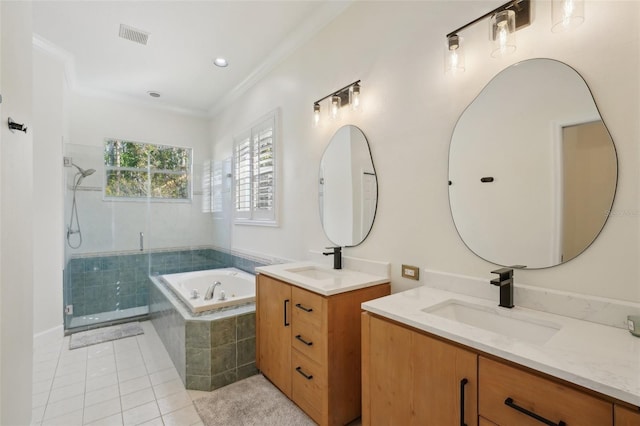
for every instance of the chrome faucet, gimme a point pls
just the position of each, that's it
(505, 282)
(209, 294)
(337, 256)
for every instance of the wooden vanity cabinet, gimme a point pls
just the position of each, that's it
(409, 378)
(308, 345)
(624, 416)
(506, 392)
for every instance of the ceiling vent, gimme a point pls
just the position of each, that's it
(133, 34)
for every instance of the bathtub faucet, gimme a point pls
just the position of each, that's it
(209, 294)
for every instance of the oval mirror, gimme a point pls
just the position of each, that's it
(348, 188)
(532, 167)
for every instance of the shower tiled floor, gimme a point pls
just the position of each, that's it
(124, 382)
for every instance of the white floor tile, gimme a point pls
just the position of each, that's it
(137, 398)
(101, 395)
(63, 407)
(65, 392)
(71, 419)
(69, 379)
(37, 414)
(95, 383)
(134, 385)
(164, 376)
(102, 410)
(127, 374)
(183, 417)
(174, 402)
(39, 399)
(100, 350)
(168, 388)
(141, 414)
(155, 422)
(196, 394)
(115, 420)
(124, 382)
(43, 386)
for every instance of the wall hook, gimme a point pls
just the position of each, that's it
(16, 126)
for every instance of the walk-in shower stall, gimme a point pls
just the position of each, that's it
(133, 210)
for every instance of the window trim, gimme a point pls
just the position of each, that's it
(250, 218)
(148, 198)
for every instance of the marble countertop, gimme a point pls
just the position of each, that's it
(327, 281)
(598, 357)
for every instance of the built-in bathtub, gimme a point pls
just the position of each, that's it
(210, 348)
(236, 288)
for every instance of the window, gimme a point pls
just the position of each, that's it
(254, 173)
(136, 170)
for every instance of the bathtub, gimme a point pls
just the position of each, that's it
(239, 288)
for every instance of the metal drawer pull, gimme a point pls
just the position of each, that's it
(299, 306)
(463, 383)
(299, 337)
(510, 403)
(286, 322)
(306, 376)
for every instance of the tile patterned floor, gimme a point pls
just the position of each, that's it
(126, 382)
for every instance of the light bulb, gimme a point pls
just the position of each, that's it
(566, 15)
(502, 27)
(453, 55)
(316, 114)
(354, 97)
(334, 107)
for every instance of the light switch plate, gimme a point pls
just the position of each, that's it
(411, 272)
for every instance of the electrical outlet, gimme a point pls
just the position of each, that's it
(411, 272)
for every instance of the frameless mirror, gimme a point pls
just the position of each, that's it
(532, 167)
(348, 188)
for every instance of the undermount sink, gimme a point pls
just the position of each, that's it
(497, 320)
(314, 272)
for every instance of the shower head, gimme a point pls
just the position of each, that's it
(84, 173)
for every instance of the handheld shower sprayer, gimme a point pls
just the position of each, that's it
(79, 176)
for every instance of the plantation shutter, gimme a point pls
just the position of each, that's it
(254, 173)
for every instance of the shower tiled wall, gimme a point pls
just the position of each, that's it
(117, 282)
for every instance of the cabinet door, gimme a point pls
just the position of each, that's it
(626, 417)
(418, 380)
(274, 331)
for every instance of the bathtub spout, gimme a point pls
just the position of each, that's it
(209, 294)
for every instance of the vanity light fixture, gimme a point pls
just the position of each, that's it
(566, 15)
(454, 55)
(348, 95)
(504, 20)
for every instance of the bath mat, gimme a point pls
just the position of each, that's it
(250, 402)
(100, 335)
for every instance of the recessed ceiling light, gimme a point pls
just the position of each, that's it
(154, 94)
(220, 62)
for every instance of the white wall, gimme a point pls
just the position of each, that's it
(409, 110)
(16, 232)
(48, 249)
(115, 226)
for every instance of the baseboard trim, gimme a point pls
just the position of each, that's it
(54, 333)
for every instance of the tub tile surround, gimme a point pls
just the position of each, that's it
(598, 356)
(209, 350)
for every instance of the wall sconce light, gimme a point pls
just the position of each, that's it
(454, 55)
(566, 15)
(505, 21)
(348, 95)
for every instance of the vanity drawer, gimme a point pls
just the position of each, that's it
(309, 340)
(308, 307)
(503, 389)
(308, 385)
